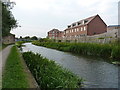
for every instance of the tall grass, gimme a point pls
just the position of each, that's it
(48, 74)
(102, 50)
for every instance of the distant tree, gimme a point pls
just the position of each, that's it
(27, 37)
(34, 38)
(20, 37)
(8, 20)
(44, 40)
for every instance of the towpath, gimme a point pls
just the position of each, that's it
(3, 57)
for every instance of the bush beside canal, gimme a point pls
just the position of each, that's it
(102, 50)
(19, 43)
(48, 74)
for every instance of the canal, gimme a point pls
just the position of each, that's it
(96, 72)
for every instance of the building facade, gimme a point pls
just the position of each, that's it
(113, 27)
(114, 30)
(55, 34)
(87, 27)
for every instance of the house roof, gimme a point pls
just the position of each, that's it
(114, 26)
(54, 30)
(88, 20)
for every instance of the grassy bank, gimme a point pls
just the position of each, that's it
(14, 75)
(48, 74)
(102, 50)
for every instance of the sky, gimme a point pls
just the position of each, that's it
(37, 17)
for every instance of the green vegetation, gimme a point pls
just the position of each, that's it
(8, 20)
(48, 74)
(111, 51)
(101, 38)
(19, 43)
(14, 75)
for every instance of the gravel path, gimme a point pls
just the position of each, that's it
(3, 57)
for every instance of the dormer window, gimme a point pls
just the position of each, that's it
(79, 23)
(74, 24)
(85, 21)
(69, 26)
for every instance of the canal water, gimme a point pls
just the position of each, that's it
(96, 72)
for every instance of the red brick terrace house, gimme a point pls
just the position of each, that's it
(55, 34)
(86, 27)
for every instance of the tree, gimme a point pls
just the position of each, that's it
(8, 20)
(27, 37)
(34, 38)
(20, 37)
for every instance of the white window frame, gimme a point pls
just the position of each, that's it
(84, 28)
(81, 28)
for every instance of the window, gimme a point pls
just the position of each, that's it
(75, 29)
(81, 28)
(79, 23)
(74, 24)
(84, 28)
(85, 21)
(69, 26)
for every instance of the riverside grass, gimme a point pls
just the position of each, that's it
(14, 75)
(48, 74)
(110, 51)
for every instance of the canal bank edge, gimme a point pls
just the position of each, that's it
(31, 79)
(110, 52)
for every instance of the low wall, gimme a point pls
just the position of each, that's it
(8, 39)
(108, 37)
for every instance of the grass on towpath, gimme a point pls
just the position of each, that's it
(14, 75)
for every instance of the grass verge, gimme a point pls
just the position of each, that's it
(48, 74)
(14, 75)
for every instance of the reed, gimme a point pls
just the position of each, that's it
(111, 51)
(48, 74)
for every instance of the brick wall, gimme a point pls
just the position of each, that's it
(8, 39)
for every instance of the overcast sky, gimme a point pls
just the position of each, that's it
(37, 17)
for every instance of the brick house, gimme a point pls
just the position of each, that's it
(55, 34)
(86, 27)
